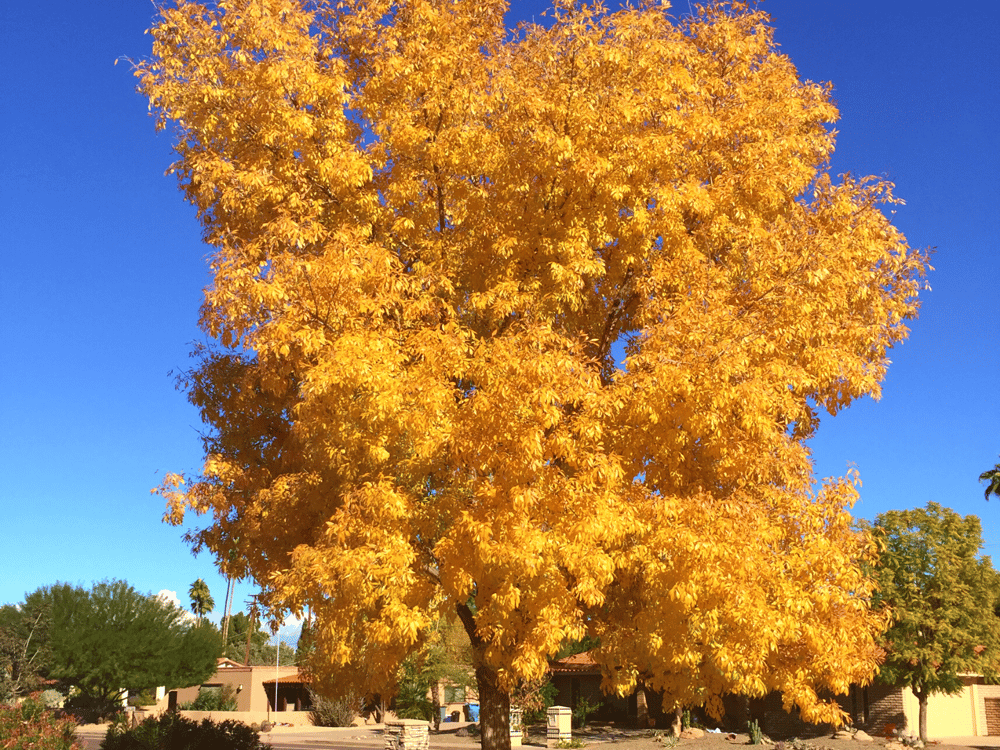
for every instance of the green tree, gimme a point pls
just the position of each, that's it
(992, 479)
(306, 645)
(245, 639)
(943, 599)
(23, 647)
(446, 658)
(201, 599)
(111, 637)
(265, 655)
(260, 650)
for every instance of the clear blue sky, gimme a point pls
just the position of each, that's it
(103, 270)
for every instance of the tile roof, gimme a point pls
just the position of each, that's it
(289, 679)
(576, 664)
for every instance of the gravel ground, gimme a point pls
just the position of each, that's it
(595, 737)
(635, 739)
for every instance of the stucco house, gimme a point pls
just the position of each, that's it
(878, 709)
(259, 690)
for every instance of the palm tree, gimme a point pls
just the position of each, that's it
(992, 479)
(201, 599)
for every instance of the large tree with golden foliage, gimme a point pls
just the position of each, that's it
(428, 233)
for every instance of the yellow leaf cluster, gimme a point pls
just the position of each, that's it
(428, 233)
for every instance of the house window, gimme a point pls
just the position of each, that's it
(454, 694)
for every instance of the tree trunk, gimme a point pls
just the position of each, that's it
(494, 703)
(436, 705)
(225, 616)
(676, 726)
(641, 708)
(922, 721)
(494, 710)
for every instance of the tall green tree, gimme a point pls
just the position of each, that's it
(943, 598)
(992, 479)
(111, 637)
(306, 645)
(201, 599)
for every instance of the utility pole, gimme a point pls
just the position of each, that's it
(251, 628)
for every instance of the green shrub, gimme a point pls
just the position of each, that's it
(411, 698)
(171, 730)
(146, 698)
(32, 725)
(535, 700)
(334, 712)
(583, 711)
(213, 699)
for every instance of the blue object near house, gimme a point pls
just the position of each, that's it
(472, 711)
(444, 714)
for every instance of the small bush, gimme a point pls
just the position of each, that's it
(334, 712)
(51, 698)
(213, 699)
(411, 698)
(32, 725)
(583, 711)
(146, 698)
(171, 730)
(535, 699)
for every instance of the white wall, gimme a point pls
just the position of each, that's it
(947, 715)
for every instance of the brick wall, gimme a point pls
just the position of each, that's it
(779, 724)
(983, 696)
(992, 716)
(885, 710)
(877, 709)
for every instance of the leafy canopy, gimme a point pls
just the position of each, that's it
(202, 602)
(427, 234)
(943, 597)
(111, 637)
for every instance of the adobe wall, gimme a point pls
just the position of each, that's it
(247, 684)
(295, 718)
(947, 715)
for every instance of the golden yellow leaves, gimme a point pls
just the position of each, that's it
(428, 236)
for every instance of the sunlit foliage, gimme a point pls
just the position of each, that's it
(944, 598)
(531, 326)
